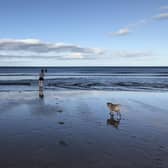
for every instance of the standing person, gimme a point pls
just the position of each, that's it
(41, 83)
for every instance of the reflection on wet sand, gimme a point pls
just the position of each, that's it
(114, 122)
(39, 107)
(41, 94)
(84, 134)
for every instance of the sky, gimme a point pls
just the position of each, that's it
(83, 33)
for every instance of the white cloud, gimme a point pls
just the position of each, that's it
(161, 16)
(33, 52)
(129, 28)
(75, 56)
(121, 32)
(34, 48)
(164, 7)
(137, 24)
(132, 54)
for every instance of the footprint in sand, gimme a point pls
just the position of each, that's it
(63, 143)
(61, 123)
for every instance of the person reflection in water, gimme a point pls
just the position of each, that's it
(41, 83)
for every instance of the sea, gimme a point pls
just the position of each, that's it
(85, 78)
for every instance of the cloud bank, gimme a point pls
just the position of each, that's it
(34, 52)
(35, 48)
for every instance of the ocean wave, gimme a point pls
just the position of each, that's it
(96, 83)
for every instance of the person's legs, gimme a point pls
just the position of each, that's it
(40, 83)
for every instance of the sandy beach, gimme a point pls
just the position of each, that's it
(83, 84)
(71, 128)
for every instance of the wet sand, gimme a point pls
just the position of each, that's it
(74, 129)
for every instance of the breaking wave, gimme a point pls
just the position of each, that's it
(125, 83)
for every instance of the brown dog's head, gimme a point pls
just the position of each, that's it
(113, 107)
(108, 104)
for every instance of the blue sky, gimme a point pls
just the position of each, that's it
(84, 33)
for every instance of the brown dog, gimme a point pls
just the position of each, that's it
(114, 108)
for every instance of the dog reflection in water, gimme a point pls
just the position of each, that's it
(112, 121)
(114, 108)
